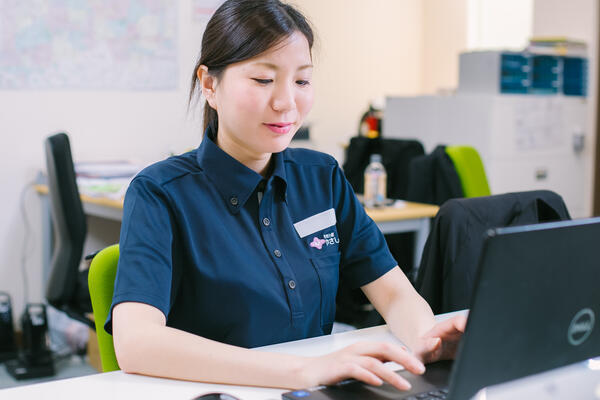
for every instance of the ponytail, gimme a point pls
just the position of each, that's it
(211, 121)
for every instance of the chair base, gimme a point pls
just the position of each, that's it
(20, 369)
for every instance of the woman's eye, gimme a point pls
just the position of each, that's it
(303, 83)
(263, 81)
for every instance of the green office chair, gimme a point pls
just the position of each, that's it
(101, 279)
(470, 170)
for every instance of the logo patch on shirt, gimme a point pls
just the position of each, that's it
(329, 239)
(318, 243)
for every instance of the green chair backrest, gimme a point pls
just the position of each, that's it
(101, 280)
(470, 170)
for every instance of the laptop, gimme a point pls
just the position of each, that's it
(535, 307)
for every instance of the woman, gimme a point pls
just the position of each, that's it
(242, 242)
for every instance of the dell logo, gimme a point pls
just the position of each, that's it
(581, 326)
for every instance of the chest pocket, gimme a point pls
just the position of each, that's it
(321, 241)
(327, 268)
(319, 233)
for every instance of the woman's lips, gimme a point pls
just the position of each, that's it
(280, 127)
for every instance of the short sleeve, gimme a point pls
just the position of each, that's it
(365, 255)
(144, 273)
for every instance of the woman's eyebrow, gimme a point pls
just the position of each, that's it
(275, 67)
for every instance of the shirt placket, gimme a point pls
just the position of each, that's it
(277, 254)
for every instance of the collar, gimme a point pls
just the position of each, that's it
(234, 181)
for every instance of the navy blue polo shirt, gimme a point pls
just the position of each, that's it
(233, 257)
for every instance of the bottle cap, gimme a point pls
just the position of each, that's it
(376, 158)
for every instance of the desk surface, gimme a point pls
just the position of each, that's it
(101, 201)
(408, 210)
(119, 385)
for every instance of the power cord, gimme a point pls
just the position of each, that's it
(28, 244)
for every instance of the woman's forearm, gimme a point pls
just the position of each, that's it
(407, 314)
(166, 352)
(145, 345)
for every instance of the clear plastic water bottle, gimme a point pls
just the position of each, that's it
(375, 183)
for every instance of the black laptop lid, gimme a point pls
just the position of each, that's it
(552, 272)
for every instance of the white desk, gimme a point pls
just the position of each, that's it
(118, 385)
(411, 217)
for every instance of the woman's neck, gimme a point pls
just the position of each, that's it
(259, 163)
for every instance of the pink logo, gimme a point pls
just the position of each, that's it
(318, 243)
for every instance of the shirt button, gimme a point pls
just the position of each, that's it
(292, 284)
(234, 201)
(277, 253)
(266, 221)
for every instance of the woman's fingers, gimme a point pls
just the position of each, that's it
(391, 352)
(362, 374)
(363, 361)
(384, 373)
(448, 334)
(432, 344)
(449, 329)
(432, 350)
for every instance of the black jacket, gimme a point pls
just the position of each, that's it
(396, 155)
(433, 178)
(451, 255)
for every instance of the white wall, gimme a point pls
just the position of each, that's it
(451, 27)
(577, 19)
(366, 50)
(504, 24)
(445, 35)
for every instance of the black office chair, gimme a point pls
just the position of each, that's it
(446, 276)
(67, 288)
(433, 178)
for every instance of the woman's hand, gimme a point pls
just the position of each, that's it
(362, 361)
(441, 341)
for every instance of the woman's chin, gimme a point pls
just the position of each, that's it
(280, 144)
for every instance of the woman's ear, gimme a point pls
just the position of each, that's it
(208, 85)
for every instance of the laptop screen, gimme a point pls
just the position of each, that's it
(536, 304)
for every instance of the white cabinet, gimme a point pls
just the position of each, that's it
(526, 142)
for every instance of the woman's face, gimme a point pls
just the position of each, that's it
(261, 102)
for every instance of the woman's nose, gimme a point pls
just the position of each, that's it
(283, 98)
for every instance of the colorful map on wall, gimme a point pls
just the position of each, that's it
(91, 45)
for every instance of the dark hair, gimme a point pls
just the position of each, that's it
(240, 30)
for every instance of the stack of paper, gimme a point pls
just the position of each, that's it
(105, 179)
(557, 46)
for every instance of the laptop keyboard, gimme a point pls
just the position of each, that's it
(432, 395)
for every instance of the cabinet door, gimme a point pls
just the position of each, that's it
(563, 175)
(536, 125)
